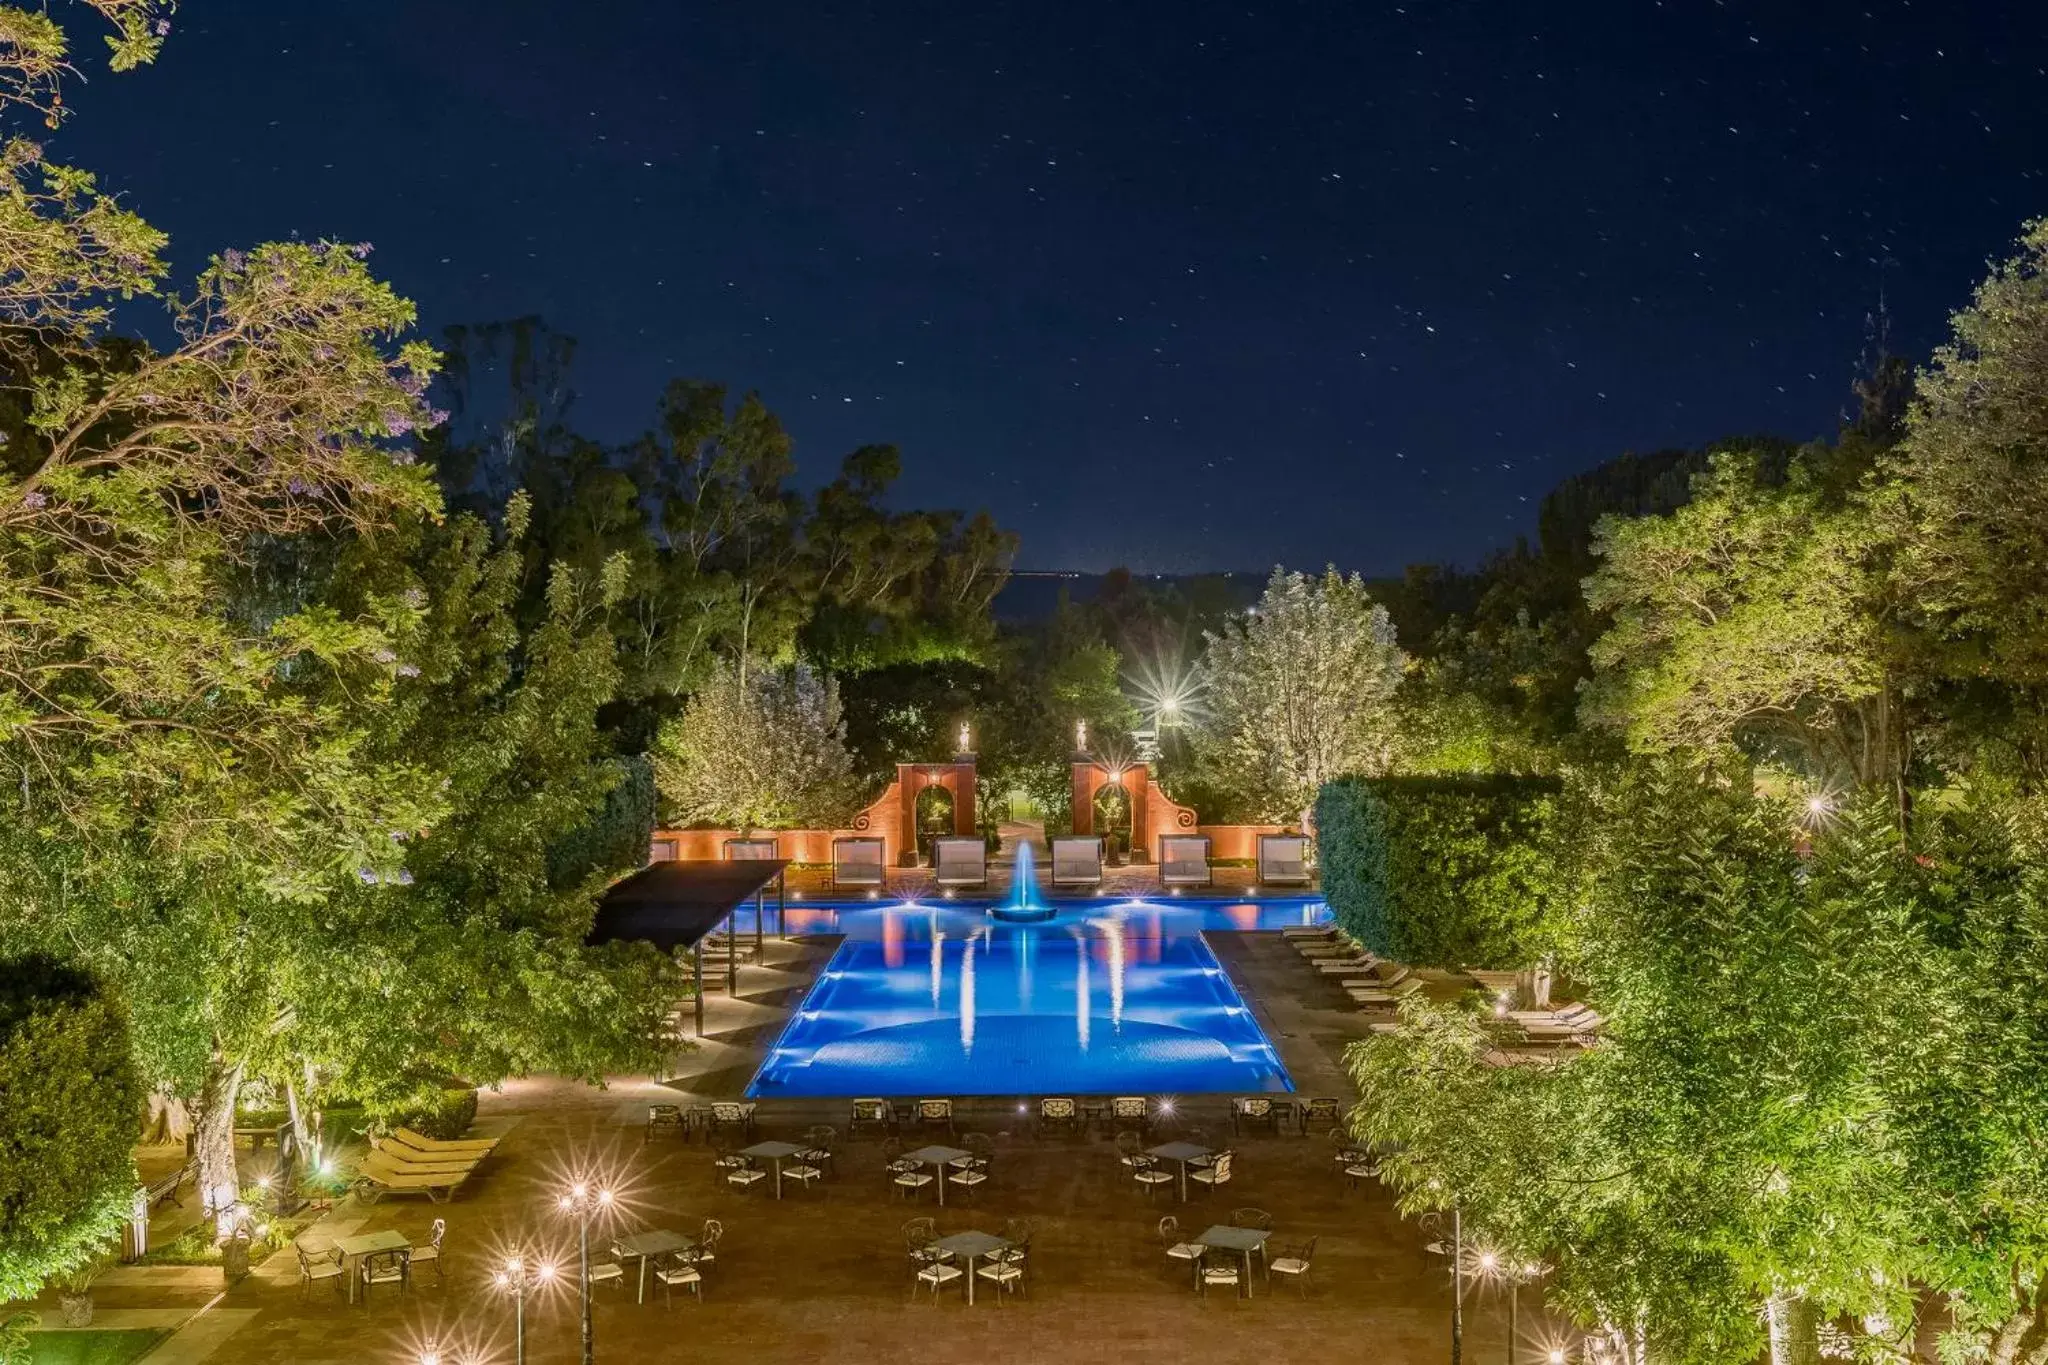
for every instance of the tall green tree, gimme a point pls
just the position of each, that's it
(172, 762)
(1966, 491)
(1298, 691)
(758, 748)
(1756, 616)
(1730, 1156)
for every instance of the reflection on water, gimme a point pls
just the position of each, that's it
(1106, 998)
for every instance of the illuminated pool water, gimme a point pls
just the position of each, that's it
(1105, 998)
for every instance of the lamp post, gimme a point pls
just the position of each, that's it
(580, 1202)
(1457, 1285)
(519, 1278)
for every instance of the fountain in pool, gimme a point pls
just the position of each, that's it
(1023, 906)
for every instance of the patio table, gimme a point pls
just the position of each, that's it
(776, 1152)
(1244, 1241)
(936, 1157)
(1183, 1152)
(645, 1246)
(970, 1245)
(354, 1248)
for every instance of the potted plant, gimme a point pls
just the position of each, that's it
(74, 1292)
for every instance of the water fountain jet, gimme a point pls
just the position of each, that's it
(1023, 906)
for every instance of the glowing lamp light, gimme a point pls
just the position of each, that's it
(430, 1356)
(1166, 1106)
(1488, 1262)
(262, 1182)
(1556, 1357)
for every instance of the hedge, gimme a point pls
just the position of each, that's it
(1444, 871)
(70, 1107)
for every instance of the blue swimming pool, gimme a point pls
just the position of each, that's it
(1119, 997)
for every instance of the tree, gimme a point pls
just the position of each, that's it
(470, 960)
(1298, 691)
(1729, 1134)
(170, 761)
(1756, 615)
(759, 748)
(1964, 492)
(1970, 473)
(73, 1103)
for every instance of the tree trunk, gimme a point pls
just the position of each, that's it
(1795, 1330)
(2021, 1339)
(220, 1185)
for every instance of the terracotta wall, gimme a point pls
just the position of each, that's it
(1154, 813)
(890, 817)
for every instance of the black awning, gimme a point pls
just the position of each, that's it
(673, 905)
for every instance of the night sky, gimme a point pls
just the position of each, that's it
(1178, 285)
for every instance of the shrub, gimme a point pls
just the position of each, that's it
(433, 1112)
(1444, 871)
(71, 1110)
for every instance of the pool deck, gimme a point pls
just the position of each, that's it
(820, 1277)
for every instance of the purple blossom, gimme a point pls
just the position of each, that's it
(323, 352)
(385, 656)
(403, 457)
(408, 671)
(163, 28)
(36, 499)
(233, 259)
(299, 486)
(397, 423)
(412, 384)
(361, 250)
(404, 877)
(368, 877)
(437, 417)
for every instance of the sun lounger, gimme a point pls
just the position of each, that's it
(403, 1158)
(420, 1142)
(1283, 860)
(857, 864)
(959, 860)
(1077, 861)
(1376, 995)
(379, 1177)
(1184, 860)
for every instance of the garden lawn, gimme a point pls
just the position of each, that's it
(90, 1347)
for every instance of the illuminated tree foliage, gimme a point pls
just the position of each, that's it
(1298, 691)
(761, 748)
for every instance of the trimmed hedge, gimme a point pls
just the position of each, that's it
(70, 1107)
(1443, 871)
